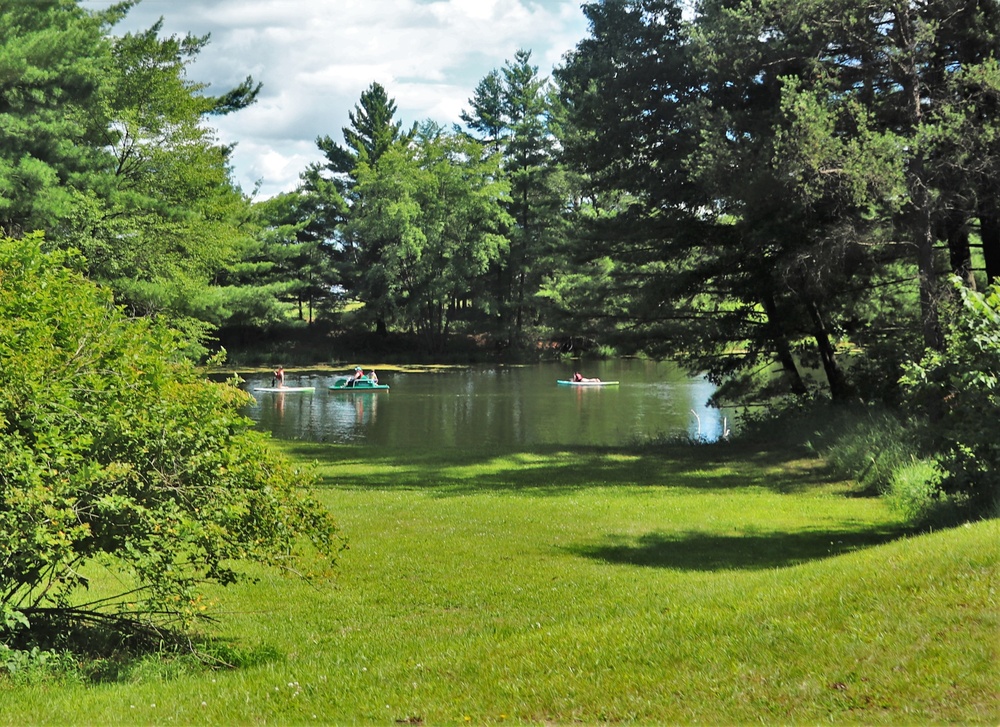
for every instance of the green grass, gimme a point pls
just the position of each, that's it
(556, 586)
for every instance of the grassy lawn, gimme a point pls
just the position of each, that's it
(586, 586)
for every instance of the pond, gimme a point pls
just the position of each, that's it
(494, 406)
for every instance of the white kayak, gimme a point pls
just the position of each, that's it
(283, 389)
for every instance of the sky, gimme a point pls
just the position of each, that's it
(316, 57)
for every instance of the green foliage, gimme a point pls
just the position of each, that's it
(777, 177)
(511, 113)
(456, 193)
(35, 665)
(116, 454)
(330, 197)
(104, 147)
(860, 171)
(53, 131)
(424, 223)
(915, 490)
(957, 391)
(170, 219)
(869, 448)
(289, 264)
(384, 231)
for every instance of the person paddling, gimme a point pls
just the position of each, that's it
(358, 375)
(278, 379)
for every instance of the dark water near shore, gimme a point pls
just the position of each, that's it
(495, 406)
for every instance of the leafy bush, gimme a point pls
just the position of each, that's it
(115, 453)
(957, 391)
(27, 666)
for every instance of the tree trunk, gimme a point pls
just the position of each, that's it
(519, 325)
(923, 238)
(989, 231)
(789, 370)
(920, 223)
(839, 390)
(957, 233)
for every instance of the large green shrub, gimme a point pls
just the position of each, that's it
(957, 392)
(115, 454)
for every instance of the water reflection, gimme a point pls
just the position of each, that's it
(350, 414)
(496, 406)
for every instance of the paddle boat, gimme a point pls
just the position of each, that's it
(363, 384)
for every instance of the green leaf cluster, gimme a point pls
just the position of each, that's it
(957, 389)
(116, 454)
(431, 212)
(53, 132)
(413, 221)
(786, 183)
(513, 112)
(105, 147)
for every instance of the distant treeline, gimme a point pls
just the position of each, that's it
(749, 188)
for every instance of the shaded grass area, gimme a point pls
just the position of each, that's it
(556, 470)
(646, 473)
(566, 586)
(694, 550)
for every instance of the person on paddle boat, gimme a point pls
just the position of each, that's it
(278, 379)
(358, 375)
(372, 377)
(578, 377)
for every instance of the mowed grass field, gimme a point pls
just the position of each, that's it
(585, 586)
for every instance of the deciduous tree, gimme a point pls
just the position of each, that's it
(117, 455)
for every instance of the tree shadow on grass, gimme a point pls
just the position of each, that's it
(203, 655)
(557, 470)
(699, 551)
(108, 651)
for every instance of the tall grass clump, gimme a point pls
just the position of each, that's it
(867, 444)
(914, 490)
(870, 446)
(878, 450)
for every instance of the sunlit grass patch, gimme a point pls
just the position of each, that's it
(588, 586)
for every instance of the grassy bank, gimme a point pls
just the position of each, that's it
(560, 586)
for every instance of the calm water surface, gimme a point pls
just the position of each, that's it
(494, 406)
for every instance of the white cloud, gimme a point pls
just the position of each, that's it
(315, 57)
